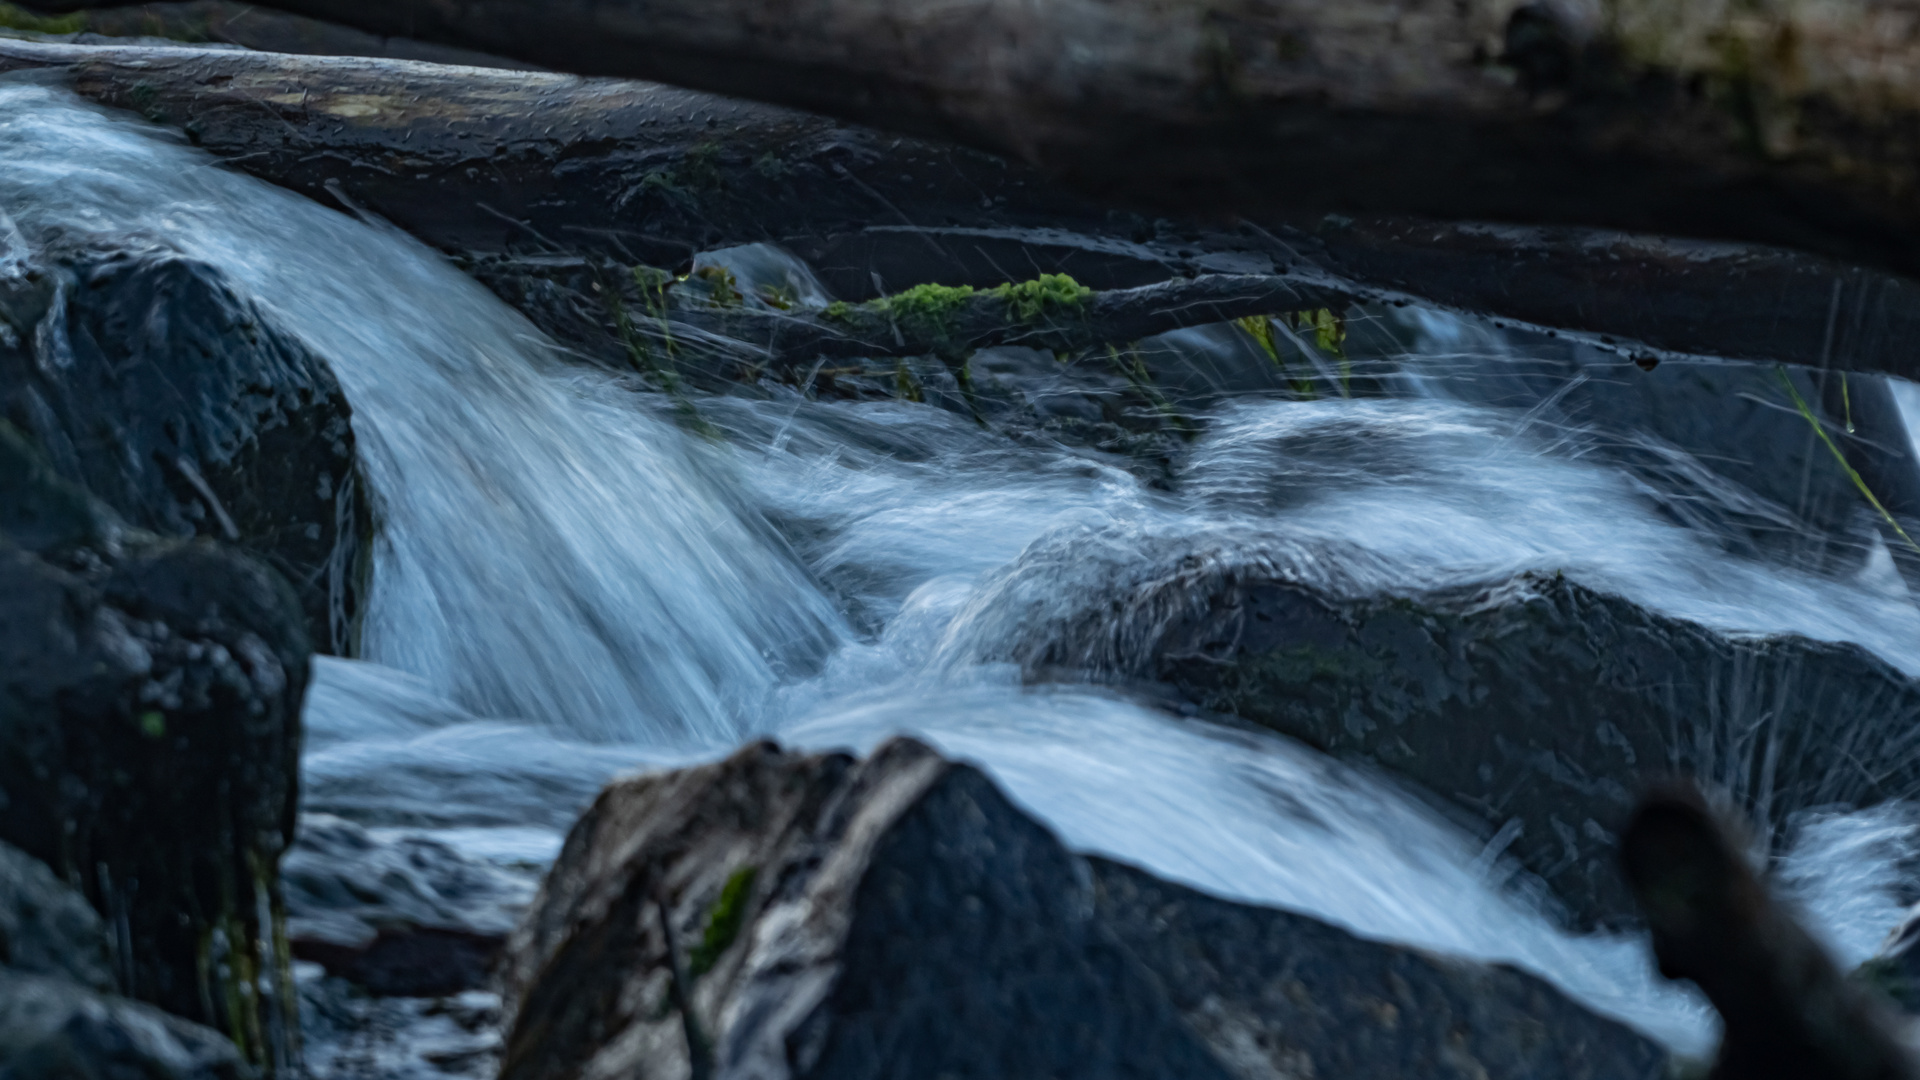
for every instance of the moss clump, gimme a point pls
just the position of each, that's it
(723, 922)
(17, 18)
(926, 309)
(1044, 295)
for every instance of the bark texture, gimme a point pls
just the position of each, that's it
(489, 161)
(1784, 121)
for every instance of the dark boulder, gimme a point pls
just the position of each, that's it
(143, 377)
(51, 1029)
(46, 928)
(777, 915)
(1534, 707)
(149, 736)
(58, 1020)
(1277, 994)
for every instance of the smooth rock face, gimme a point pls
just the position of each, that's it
(405, 916)
(785, 915)
(139, 375)
(1540, 706)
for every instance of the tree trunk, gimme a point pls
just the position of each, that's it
(1781, 121)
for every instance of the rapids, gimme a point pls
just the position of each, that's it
(568, 583)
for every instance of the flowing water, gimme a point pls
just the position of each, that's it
(568, 584)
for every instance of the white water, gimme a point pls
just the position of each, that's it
(556, 554)
(521, 503)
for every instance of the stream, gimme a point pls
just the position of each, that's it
(570, 583)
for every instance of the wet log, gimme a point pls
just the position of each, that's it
(488, 161)
(1773, 122)
(956, 324)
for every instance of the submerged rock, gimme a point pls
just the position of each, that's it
(401, 916)
(781, 914)
(1534, 706)
(143, 377)
(1894, 971)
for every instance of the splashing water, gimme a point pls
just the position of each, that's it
(557, 564)
(548, 547)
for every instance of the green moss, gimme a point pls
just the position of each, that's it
(905, 386)
(723, 922)
(839, 311)
(926, 309)
(18, 18)
(153, 724)
(1045, 295)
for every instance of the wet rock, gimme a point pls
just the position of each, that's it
(1719, 448)
(781, 914)
(58, 1019)
(149, 734)
(398, 916)
(1535, 705)
(46, 928)
(1276, 994)
(51, 1029)
(141, 376)
(353, 1035)
(1895, 969)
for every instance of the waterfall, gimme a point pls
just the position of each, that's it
(549, 547)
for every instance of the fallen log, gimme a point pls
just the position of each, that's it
(491, 161)
(1774, 122)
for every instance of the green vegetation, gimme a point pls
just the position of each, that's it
(905, 386)
(925, 309)
(1046, 294)
(723, 922)
(1806, 413)
(153, 724)
(930, 310)
(18, 18)
(1134, 370)
(1329, 330)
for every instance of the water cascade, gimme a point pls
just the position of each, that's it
(567, 583)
